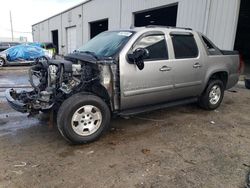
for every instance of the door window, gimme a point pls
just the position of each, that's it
(184, 46)
(156, 46)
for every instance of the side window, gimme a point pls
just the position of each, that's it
(184, 46)
(156, 46)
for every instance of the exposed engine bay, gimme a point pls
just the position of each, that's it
(54, 81)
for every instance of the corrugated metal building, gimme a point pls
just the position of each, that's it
(70, 29)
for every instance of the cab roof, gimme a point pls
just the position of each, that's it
(155, 27)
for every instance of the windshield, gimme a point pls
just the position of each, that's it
(107, 44)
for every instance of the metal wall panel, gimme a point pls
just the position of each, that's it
(222, 22)
(72, 18)
(98, 10)
(36, 33)
(192, 13)
(129, 7)
(56, 24)
(44, 31)
(215, 18)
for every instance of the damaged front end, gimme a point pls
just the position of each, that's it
(54, 81)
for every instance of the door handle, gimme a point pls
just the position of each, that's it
(197, 65)
(165, 68)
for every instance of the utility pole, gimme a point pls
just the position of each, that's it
(11, 25)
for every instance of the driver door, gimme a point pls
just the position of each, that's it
(154, 83)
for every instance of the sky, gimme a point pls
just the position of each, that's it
(25, 13)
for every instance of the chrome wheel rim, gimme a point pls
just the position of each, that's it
(215, 94)
(86, 120)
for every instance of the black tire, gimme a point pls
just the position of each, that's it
(71, 106)
(204, 100)
(2, 63)
(247, 83)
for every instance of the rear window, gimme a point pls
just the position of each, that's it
(184, 46)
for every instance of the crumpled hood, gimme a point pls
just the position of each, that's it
(74, 57)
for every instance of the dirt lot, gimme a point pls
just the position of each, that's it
(177, 147)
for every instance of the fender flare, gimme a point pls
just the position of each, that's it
(209, 75)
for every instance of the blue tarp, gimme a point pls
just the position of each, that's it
(36, 44)
(24, 52)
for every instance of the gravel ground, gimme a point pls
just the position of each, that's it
(177, 147)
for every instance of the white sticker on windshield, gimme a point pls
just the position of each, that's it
(127, 34)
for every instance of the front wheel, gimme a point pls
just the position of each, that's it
(83, 118)
(213, 95)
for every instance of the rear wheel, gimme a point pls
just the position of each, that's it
(83, 118)
(213, 95)
(2, 62)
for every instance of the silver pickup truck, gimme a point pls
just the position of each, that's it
(126, 72)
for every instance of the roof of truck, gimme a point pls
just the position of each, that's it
(153, 27)
(168, 27)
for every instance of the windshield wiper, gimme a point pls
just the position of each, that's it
(91, 53)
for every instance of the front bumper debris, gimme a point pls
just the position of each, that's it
(11, 97)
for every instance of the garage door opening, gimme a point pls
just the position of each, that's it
(98, 27)
(243, 33)
(166, 16)
(55, 40)
(71, 39)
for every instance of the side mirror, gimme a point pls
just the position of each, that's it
(138, 56)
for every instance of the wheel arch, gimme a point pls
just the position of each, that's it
(221, 74)
(100, 91)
